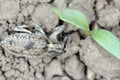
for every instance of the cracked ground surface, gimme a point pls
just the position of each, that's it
(83, 58)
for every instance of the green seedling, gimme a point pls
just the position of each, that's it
(103, 37)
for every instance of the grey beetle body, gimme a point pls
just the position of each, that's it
(33, 44)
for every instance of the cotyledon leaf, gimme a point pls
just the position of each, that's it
(72, 16)
(107, 40)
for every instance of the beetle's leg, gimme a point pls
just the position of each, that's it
(38, 29)
(64, 43)
(56, 32)
(22, 29)
(56, 49)
(65, 40)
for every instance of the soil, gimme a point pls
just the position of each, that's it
(83, 58)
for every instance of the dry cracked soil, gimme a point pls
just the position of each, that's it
(83, 58)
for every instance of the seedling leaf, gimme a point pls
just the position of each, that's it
(72, 16)
(107, 40)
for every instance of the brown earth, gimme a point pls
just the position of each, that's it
(83, 59)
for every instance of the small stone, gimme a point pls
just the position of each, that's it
(23, 66)
(17, 73)
(9, 8)
(74, 68)
(9, 73)
(71, 49)
(39, 76)
(44, 0)
(35, 61)
(47, 59)
(54, 68)
(109, 17)
(56, 78)
(31, 78)
(41, 67)
(60, 3)
(116, 4)
(2, 78)
(100, 5)
(19, 78)
(74, 37)
(65, 78)
(30, 8)
(45, 17)
(70, 27)
(28, 75)
(6, 67)
(1, 31)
